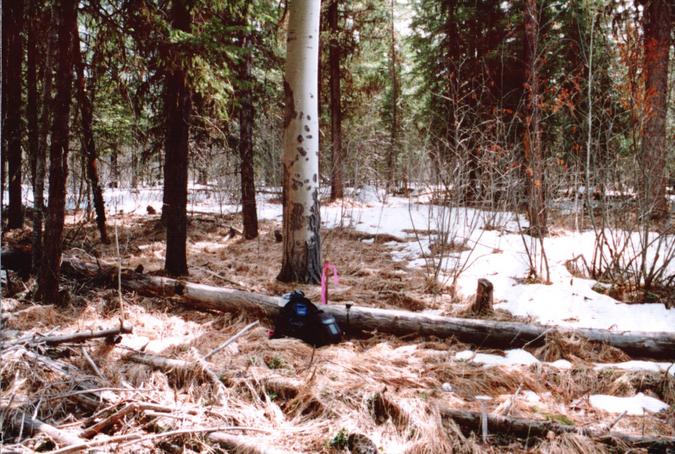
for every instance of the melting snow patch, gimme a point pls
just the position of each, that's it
(561, 364)
(639, 365)
(635, 405)
(516, 357)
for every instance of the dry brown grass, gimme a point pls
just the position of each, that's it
(385, 388)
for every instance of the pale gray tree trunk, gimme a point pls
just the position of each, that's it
(301, 219)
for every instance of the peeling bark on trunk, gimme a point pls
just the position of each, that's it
(58, 157)
(336, 185)
(657, 32)
(13, 129)
(533, 153)
(88, 144)
(246, 119)
(178, 106)
(301, 218)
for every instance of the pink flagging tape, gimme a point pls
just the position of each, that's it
(327, 266)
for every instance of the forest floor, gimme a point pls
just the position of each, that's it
(283, 395)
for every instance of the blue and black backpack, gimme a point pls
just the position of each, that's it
(301, 319)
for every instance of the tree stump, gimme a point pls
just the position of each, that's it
(483, 303)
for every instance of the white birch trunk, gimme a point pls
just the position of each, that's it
(302, 246)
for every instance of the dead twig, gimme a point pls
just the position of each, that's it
(92, 364)
(246, 329)
(141, 437)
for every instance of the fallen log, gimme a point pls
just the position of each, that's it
(80, 336)
(32, 426)
(250, 445)
(483, 333)
(161, 362)
(470, 421)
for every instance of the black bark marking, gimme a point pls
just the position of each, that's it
(306, 128)
(302, 151)
(300, 139)
(308, 117)
(314, 178)
(309, 136)
(297, 212)
(300, 115)
(296, 184)
(290, 113)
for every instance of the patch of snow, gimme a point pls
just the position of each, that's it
(561, 364)
(636, 405)
(639, 365)
(517, 357)
(531, 397)
(368, 194)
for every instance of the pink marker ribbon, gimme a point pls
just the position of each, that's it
(327, 266)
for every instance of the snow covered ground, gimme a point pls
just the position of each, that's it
(496, 253)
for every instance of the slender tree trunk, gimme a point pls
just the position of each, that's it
(88, 143)
(452, 61)
(32, 91)
(178, 106)
(114, 167)
(657, 36)
(40, 160)
(34, 131)
(301, 218)
(134, 169)
(393, 140)
(336, 187)
(58, 156)
(13, 125)
(3, 104)
(246, 119)
(533, 153)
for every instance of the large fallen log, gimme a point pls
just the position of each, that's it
(469, 421)
(483, 333)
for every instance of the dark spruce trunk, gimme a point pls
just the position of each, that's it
(58, 156)
(246, 118)
(177, 105)
(532, 146)
(14, 11)
(114, 168)
(336, 185)
(88, 143)
(37, 155)
(657, 32)
(32, 92)
(393, 145)
(40, 161)
(3, 108)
